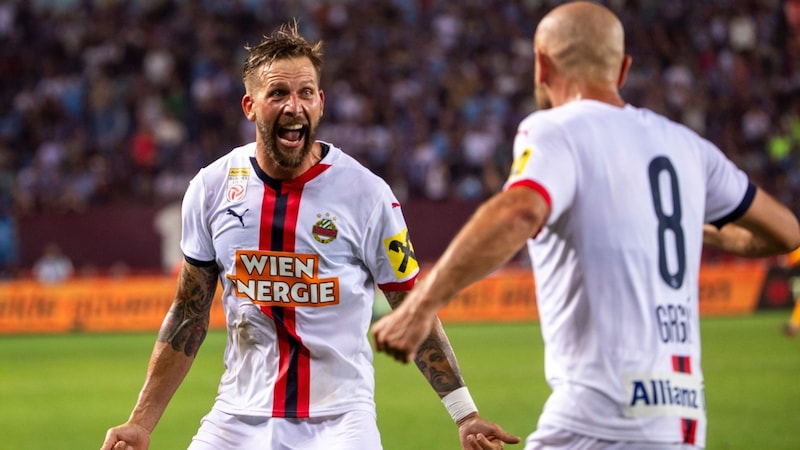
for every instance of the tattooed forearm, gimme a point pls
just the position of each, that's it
(186, 324)
(437, 362)
(395, 298)
(435, 357)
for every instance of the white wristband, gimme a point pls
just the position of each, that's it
(459, 404)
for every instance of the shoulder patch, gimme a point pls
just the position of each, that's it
(401, 254)
(520, 162)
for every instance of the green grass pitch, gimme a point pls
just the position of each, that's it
(64, 391)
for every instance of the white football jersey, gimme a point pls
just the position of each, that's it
(300, 260)
(617, 265)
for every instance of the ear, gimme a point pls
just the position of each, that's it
(543, 68)
(321, 102)
(247, 108)
(623, 70)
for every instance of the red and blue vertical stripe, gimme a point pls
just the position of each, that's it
(279, 212)
(683, 364)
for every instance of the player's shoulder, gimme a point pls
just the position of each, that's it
(345, 165)
(565, 121)
(581, 114)
(667, 128)
(567, 114)
(349, 175)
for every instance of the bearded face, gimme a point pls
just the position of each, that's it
(295, 130)
(286, 104)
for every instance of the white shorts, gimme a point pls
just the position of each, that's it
(357, 430)
(552, 438)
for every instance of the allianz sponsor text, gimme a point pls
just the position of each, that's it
(665, 394)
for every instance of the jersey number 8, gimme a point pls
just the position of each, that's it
(669, 222)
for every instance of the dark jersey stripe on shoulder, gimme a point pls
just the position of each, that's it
(199, 263)
(739, 210)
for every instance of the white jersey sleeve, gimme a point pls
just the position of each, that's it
(393, 264)
(724, 188)
(196, 242)
(542, 144)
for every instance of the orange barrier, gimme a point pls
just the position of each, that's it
(90, 304)
(140, 303)
(728, 289)
(509, 294)
(505, 296)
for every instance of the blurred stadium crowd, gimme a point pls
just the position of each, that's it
(107, 101)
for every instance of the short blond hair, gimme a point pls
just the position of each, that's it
(584, 40)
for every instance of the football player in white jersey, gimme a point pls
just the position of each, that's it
(615, 204)
(300, 235)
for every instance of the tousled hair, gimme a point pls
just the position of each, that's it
(284, 43)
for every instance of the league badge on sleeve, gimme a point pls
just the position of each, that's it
(520, 162)
(237, 184)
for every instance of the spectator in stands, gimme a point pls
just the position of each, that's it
(9, 257)
(741, 56)
(8, 226)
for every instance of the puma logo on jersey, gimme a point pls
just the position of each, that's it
(233, 213)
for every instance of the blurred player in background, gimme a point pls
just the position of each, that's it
(611, 201)
(54, 266)
(793, 325)
(301, 233)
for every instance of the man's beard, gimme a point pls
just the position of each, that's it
(289, 159)
(541, 97)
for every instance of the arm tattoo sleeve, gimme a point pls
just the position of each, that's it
(186, 324)
(435, 357)
(395, 298)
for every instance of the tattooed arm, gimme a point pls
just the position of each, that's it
(182, 332)
(437, 361)
(435, 357)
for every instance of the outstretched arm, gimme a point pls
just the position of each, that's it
(182, 332)
(492, 236)
(437, 362)
(767, 228)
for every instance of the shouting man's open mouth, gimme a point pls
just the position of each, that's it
(292, 135)
(287, 144)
